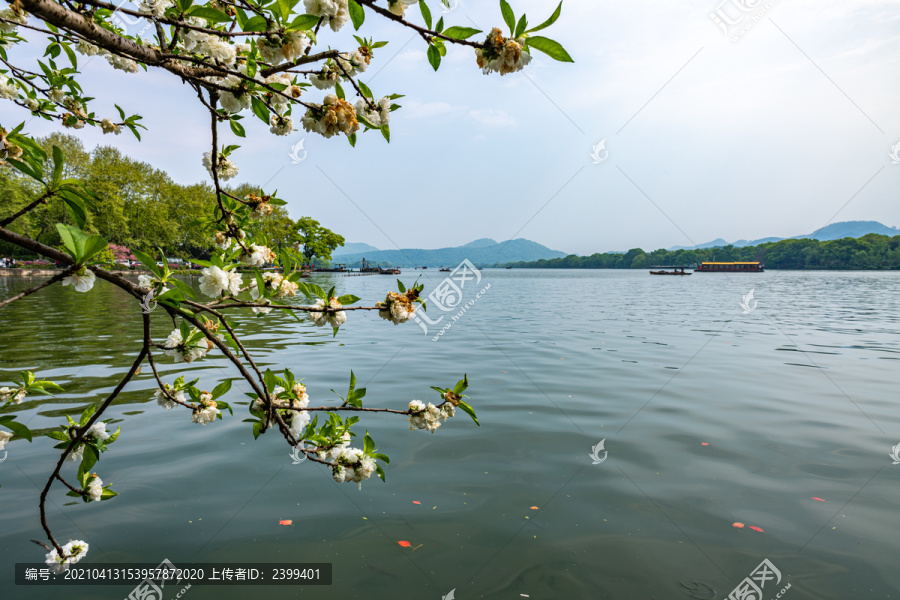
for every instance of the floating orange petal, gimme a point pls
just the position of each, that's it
(416, 502)
(819, 499)
(534, 507)
(704, 443)
(286, 522)
(404, 543)
(738, 525)
(755, 528)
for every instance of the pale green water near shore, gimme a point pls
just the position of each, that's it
(796, 400)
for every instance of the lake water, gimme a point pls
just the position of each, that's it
(710, 416)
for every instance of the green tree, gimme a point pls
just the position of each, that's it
(315, 240)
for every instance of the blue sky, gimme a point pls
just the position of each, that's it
(775, 134)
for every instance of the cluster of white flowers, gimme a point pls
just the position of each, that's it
(4, 437)
(215, 280)
(277, 48)
(297, 420)
(280, 287)
(86, 48)
(82, 280)
(98, 430)
(258, 256)
(15, 394)
(502, 55)
(149, 282)
(351, 464)
(335, 319)
(163, 400)
(336, 12)
(154, 7)
(281, 100)
(208, 413)
(429, 417)
(381, 115)
(396, 308)
(398, 7)
(72, 553)
(109, 127)
(281, 125)
(121, 63)
(334, 116)
(327, 76)
(8, 89)
(224, 166)
(174, 346)
(76, 455)
(95, 488)
(360, 60)
(17, 18)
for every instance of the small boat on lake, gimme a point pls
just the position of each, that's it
(670, 271)
(444, 270)
(730, 267)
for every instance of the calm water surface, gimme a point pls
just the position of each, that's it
(710, 416)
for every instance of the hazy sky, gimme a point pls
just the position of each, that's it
(775, 134)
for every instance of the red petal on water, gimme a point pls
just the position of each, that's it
(404, 543)
(738, 525)
(819, 499)
(286, 522)
(533, 507)
(704, 443)
(755, 528)
(416, 502)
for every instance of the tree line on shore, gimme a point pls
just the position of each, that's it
(139, 207)
(872, 251)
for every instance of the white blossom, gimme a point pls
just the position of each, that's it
(378, 117)
(109, 127)
(8, 89)
(4, 438)
(73, 552)
(76, 455)
(219, 50)
(86, 48)
(121, 63)
(154, 7)
(214, 281)
(16, 394)
(207, 414)
(282, 125)
(225, 167)
(11, 15)
(336, 11)
(98, 430)
(258, 256)
(164, 401)
(56, 94)
(95, 488)
(398, 7)
(82, 280)
(501, 55)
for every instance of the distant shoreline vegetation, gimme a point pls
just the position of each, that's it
(872, 251)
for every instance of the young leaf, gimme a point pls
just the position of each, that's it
(549, 21)
(426, 13)
(237, 128)
(18, 429)
(434, 57)
(469, 411)
(357, 14)
(508, 16)
(461, 33)
(551, 48)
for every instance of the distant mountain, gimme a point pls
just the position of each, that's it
(484, 252)
(834, 231)
(354, 248)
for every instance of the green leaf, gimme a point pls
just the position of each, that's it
(209, 13)
(107, 494)
(256, 23)
(57, 435)
(365, 90)
(237, 128)
(461, 33)
(549, 21)
(461, 385)
(508, 16)
(386, 132)
(357, 14)
(79, 244)
(304, 22)
(520, 26)
(468, 409)
(434, 57)
(348, 299)
(58, 162)
(260, 110)
(75, 207)
(551, 48)
(89, 459)
(339, 91)
(426, 13)
(368, 444)
(380, 471)
(221, 389)
(401, 287)
(257, 429)
(183, 287)
(381, 457)
(26, 168)
(18, 429)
